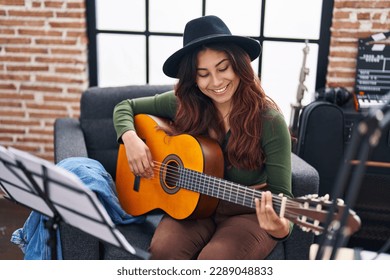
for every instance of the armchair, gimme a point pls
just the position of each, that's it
(93, 135)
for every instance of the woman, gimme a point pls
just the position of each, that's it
(219, 96)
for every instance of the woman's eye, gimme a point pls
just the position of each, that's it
(202, 75)
(223, 69)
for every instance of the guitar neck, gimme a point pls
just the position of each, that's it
(218, 188)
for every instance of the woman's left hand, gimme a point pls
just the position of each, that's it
(268, 219)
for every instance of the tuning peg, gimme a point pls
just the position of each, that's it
(340, 201)
(310, 196)
(326, 197)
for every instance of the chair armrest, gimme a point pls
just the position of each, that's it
(68, 139)
(305, 178)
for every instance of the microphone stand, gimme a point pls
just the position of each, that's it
(366, 136)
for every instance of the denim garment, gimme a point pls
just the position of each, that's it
(97, 179)
(33, 236)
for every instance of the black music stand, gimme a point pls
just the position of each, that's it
(59, 195)
(365, 138)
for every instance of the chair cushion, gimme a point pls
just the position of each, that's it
(97, 106)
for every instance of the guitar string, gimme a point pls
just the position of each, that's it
(234, 188)
(173, 172)
(291, 215)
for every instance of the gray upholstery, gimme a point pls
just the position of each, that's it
(93, 135)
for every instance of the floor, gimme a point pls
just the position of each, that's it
(12, 217)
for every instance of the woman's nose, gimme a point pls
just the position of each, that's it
(217, 80)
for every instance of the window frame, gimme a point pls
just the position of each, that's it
(323, 41)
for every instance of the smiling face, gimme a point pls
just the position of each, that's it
(216, 79)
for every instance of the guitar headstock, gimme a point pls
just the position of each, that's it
(311, 213)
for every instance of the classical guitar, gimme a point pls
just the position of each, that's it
(187, 182)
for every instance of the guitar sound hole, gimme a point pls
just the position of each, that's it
(170, 174)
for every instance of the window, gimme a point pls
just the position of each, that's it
(130, 40)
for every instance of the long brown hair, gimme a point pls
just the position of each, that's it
(197, 115)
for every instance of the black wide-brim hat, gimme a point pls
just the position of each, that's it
(204, 30)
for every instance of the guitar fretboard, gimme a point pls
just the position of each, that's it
(218, 188)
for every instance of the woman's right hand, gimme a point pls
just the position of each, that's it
(138, 155)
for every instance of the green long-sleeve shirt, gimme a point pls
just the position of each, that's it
(276, 142)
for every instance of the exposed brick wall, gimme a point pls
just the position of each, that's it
(43, 70)
(353, 19)
(43, 62)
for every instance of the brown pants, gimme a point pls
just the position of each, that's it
(233, 233)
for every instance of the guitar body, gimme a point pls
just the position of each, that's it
(138, 195)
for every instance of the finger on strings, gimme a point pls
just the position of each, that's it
(270, 210)
(150, 158)
(257, 202)
(169, 171)
(138, 168)
(268, 200)
(262, 204)
(147, 168)
(133, 167)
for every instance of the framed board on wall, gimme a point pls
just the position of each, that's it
(372, 81)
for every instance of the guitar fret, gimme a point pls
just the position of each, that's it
(216, 187)
(205, 184)
(243, 198)
(193, 185)
(181, 177)
(212, 187)
(230, 194)
(200, 183)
